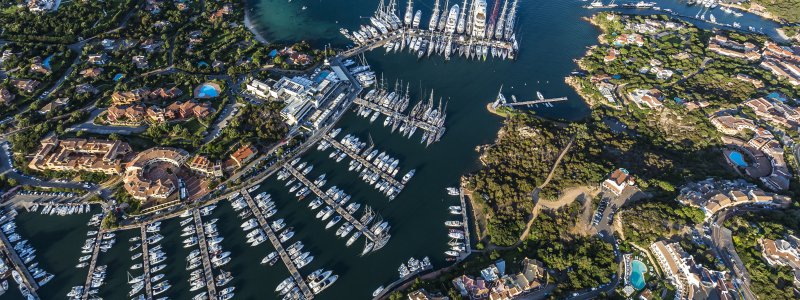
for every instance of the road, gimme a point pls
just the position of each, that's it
(90, 126)
(722, 245)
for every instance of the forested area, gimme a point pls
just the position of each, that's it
(261, 125)
(646, 222)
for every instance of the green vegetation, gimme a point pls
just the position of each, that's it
(520, 159)
(646, 222)
(261, 125)
(772, 282)
(90, 18)
(787, 10)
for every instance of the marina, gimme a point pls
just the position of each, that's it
(148, 286)
(287, 260)
(464, 30)
(93, 281)
(377, 237)
(501, 101)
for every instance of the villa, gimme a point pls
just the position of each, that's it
(80, 155)
(98, 59)
(731, 125)
(649, 98)
(91, 72)
(26, 85)
(5, 96)
(783, 252)
(618, 181)
(55, 104)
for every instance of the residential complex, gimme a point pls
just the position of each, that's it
(691, 280)
(75, 154)
(712, 195)
(148, 176)
(783, 252)
(495, 284)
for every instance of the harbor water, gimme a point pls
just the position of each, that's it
(550, 33)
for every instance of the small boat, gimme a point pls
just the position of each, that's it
(377, 291)
(451, 253)
(333, 221)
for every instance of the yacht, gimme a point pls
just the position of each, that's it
(269, 257)
(353, 238)
(377, 291)
(408, 176)
(453, 223)
(324, 284)
(325, 211)
(333, 221)
(315, 203)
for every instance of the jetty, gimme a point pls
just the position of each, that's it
(27, 278)
(287, 260)
(363, 160)
(379, 241)
(92, 264)
(148, 286)
(392, 104)
(465, 222)
(204, 255)
(501, 101)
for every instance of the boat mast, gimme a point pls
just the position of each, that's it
(460, 24)
(434, 17)
(445, 13)
(501, 23)
(409, 13)
(510, 21)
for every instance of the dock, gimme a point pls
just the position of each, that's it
(432, 129)
(361, 159)
(465, 222)
(204, 255)
(92, 264)
(379, 241)
(148, 286)
(12, 254)
(533, 102)
(299, 279)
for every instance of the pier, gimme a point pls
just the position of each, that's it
(465, 222)
(148, 286)
(367, 164)
(538, 101)
(379, 241)
(27, 279)
(92, 264)
(204, 255)
(299, 279)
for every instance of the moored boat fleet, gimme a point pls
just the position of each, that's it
(425, 115)
(59, 209)
(207, 237)
(27, 254)
(464, 30)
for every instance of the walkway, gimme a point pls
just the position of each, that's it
(204, 255)
(92, 264)
(148, 286)
(379, 241)
(299, 279)
(27, 279)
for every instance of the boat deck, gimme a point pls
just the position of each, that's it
(204, 255)
(299, 279)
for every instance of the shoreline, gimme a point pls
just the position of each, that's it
(251, 27)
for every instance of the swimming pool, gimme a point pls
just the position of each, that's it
(737, 158)
(207, 90)
(118, 76)
(46, 62)
(638, 269)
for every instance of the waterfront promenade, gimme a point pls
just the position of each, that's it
(208, 274)
(361, 159)
(27, 279)
(299, 279)
(379, 241)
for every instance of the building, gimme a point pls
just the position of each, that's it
(140, 61)
(678, 268)
(783, 252)
(189, 109)
(91, 72)
(421, 294)
(205, 167)
(712, 196)
(5, 96)
(775, 112)
(98, 59)
(243, 155)
(122, 98)
(132, 115)
(618, 181)
(73, 155)
(143, 184)
(25, 85)
(55, 104)
(646, 98)
(258, 88)
(731, 125)
(502, 286)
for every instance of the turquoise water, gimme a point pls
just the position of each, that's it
(737, 158)
(46, 62)
(638, 269)
(202, 64)
(207, 91)
(118, 76)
